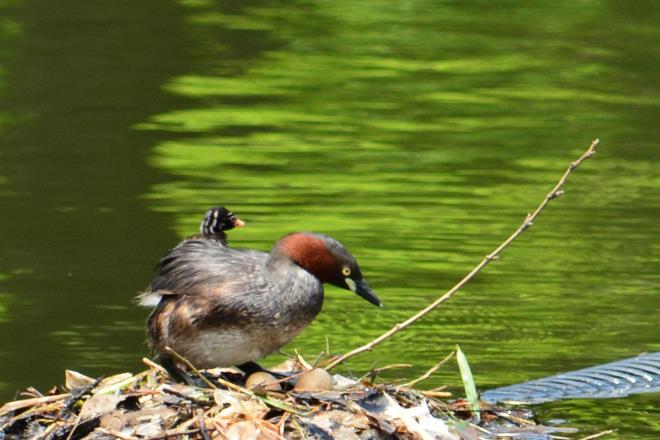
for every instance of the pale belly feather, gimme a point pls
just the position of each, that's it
(234, 346)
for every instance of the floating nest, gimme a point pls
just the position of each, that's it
(307, 404)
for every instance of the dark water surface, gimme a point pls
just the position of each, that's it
(419, 133)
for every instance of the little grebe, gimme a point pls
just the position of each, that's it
(219, 306)
(216, 221)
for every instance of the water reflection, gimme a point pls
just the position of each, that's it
(400, 148)
(422, 158)
(77, 240)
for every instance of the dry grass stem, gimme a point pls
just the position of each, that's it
(374, 372)
(75, 425)
(115, 434)
(429, 372)
(529, 220)
(202, 424)
(301, 361)
(192, 367)
(167, 390)
(151, 364)
(220, 380)
(26, 403)
(600, 434)
(437, 394)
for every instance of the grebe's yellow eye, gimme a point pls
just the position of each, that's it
(346, 271)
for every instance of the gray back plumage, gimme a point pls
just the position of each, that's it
(237, 280)
(198, 263)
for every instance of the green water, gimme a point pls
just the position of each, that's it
(418, 133)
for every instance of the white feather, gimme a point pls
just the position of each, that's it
(148, 299)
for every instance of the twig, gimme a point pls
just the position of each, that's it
(376, 371)
(116, 434)
(114, 387)
(151, 364)
(440, 388)
(26, 403)
(220, 380)
(301, 360)
(481, 428)
(282, 422)
(518, 421)
(183, 428)
(436, 394)
(298, 428)
(176, 433)
(75, 425)
(529, 220)
(429, 372)
(600, 434)
(202, 425)
(219, 430)
(191, 366)
(33, 393)
(194, 400)
(315, 363)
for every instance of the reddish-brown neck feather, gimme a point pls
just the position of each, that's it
(311, 254)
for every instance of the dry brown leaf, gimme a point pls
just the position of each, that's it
(99, 404)
(114, 420)
(73, 379)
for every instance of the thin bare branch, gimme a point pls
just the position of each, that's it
(26, 403)
(600, 434)
(436, 394)
(115, 434)
(529, 220)
(151, 364)
(202, 424)
(75, 426)
(221, 381)
(374, 372)
(190, 365)
(429, 372)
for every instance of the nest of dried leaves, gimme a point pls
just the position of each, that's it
(307, 404)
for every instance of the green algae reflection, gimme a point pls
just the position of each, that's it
(420, 136)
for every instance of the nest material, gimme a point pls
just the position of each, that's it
(149, 405)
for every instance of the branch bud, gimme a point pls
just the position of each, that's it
(556, 194)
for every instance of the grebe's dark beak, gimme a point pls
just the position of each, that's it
(361, 288)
